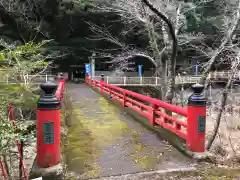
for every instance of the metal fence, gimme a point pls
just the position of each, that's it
(27, 79)
(146, 81)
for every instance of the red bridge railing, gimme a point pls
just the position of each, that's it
(191, 127)
(60, 89)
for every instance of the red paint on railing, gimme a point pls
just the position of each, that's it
(4, 174)
(186, 128)
(17, 142)
(60, 89)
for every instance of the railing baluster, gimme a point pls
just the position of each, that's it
(152, 119)
(110, 94)
(124, 99)
(178, 126)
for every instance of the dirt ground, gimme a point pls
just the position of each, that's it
(226, 145)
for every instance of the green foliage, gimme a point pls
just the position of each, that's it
(20, 61)
(7, 136)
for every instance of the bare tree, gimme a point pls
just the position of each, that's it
(26, 16)
(231, 23)
(160, 33)
(223, 100)
(229, 44)
(174, 47)
(161, 22)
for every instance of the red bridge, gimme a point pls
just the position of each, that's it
(104, 141)
(191, 128)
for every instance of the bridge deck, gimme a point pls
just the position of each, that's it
(104, 141)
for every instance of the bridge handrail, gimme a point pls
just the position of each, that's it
(156, 105)
(121, 81)
(60, 89)
(170, 107)
(30, 78)
(216, 74)
(188, 129)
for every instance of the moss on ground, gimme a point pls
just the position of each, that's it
(89, 136)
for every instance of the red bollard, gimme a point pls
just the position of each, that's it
(196, 120)
(102, 83)
(60, 89)
(48, 127)
(87, 78)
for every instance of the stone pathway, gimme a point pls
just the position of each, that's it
(104, 141)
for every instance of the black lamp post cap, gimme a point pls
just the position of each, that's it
(198, 88)
(102, 75)
(49, 87)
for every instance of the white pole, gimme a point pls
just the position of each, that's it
(93, 64)
(46, 78)
(7, 78)
(124, 80)
(156, 80)
(141, 80)
(107, 79)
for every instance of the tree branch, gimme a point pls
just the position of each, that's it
(174, 45)
(222, 46)
(223, 102)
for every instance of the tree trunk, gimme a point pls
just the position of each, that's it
(223, 102)
(174, 47)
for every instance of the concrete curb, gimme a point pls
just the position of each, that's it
(149, 173)
(53, 173)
